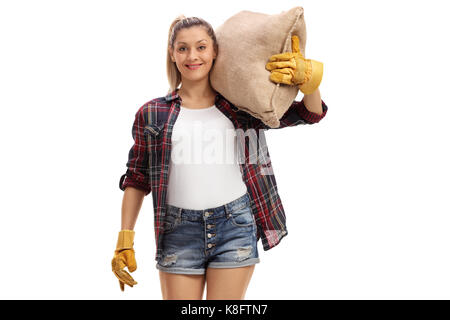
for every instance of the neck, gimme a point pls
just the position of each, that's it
(196, 89)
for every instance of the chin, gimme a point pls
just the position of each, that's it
(196, 77)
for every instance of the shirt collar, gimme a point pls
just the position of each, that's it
(173, 95)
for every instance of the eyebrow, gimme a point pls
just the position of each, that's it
(186, 43)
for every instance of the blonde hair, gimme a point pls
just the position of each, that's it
(181, 22)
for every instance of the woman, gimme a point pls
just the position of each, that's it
(208, 216)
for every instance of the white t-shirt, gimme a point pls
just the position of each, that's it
(204, 169)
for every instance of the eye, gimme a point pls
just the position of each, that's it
(179, 49)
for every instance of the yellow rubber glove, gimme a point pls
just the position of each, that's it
(124, 257)
(293, 69)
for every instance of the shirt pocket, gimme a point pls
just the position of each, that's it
(154, 129)
(154, 133)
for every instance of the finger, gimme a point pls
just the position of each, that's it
(122, 285)
(123, 258)
(132, 267)
(118, 275)
(280, 65)
(125, 277)
(279, 77)
(130, 261)
(122, 276)
(281, 56)
(286, 71)
(118, 263)
(295, 44)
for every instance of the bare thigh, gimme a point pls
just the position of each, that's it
(181, 286)
(228, 283)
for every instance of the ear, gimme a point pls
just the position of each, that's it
(171, 54)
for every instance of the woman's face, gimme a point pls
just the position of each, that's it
(193, 46)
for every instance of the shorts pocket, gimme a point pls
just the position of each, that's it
(169, 223)
(242, 217)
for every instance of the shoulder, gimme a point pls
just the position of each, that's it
(154, 105)
(227, 104)
(154, 111)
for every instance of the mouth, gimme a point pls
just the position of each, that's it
(193, 66)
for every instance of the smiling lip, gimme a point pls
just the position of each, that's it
(194, 66)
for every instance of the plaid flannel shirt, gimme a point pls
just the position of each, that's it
(149, 160)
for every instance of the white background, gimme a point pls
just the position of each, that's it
(365, 191)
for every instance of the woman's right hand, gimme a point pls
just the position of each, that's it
(124, 257)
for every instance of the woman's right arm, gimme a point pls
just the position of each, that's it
(136, 185)
(131, 205)
(136, 181)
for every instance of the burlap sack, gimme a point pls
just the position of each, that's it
(246, 42)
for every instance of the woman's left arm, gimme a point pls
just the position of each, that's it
(313, 102)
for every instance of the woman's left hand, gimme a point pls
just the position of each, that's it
(292, 68)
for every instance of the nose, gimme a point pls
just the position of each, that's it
(192, 56)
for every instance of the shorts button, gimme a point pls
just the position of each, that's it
(209, 226)
(209, 245)
(207, 214)
(209, 235)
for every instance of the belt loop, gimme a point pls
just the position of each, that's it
(227, 209)
(179, 213)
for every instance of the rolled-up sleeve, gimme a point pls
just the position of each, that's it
(308, 116)
(138, 173)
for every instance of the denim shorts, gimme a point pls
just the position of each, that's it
(221, 237)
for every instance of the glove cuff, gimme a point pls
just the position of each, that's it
(316, 73)
(125, 240)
